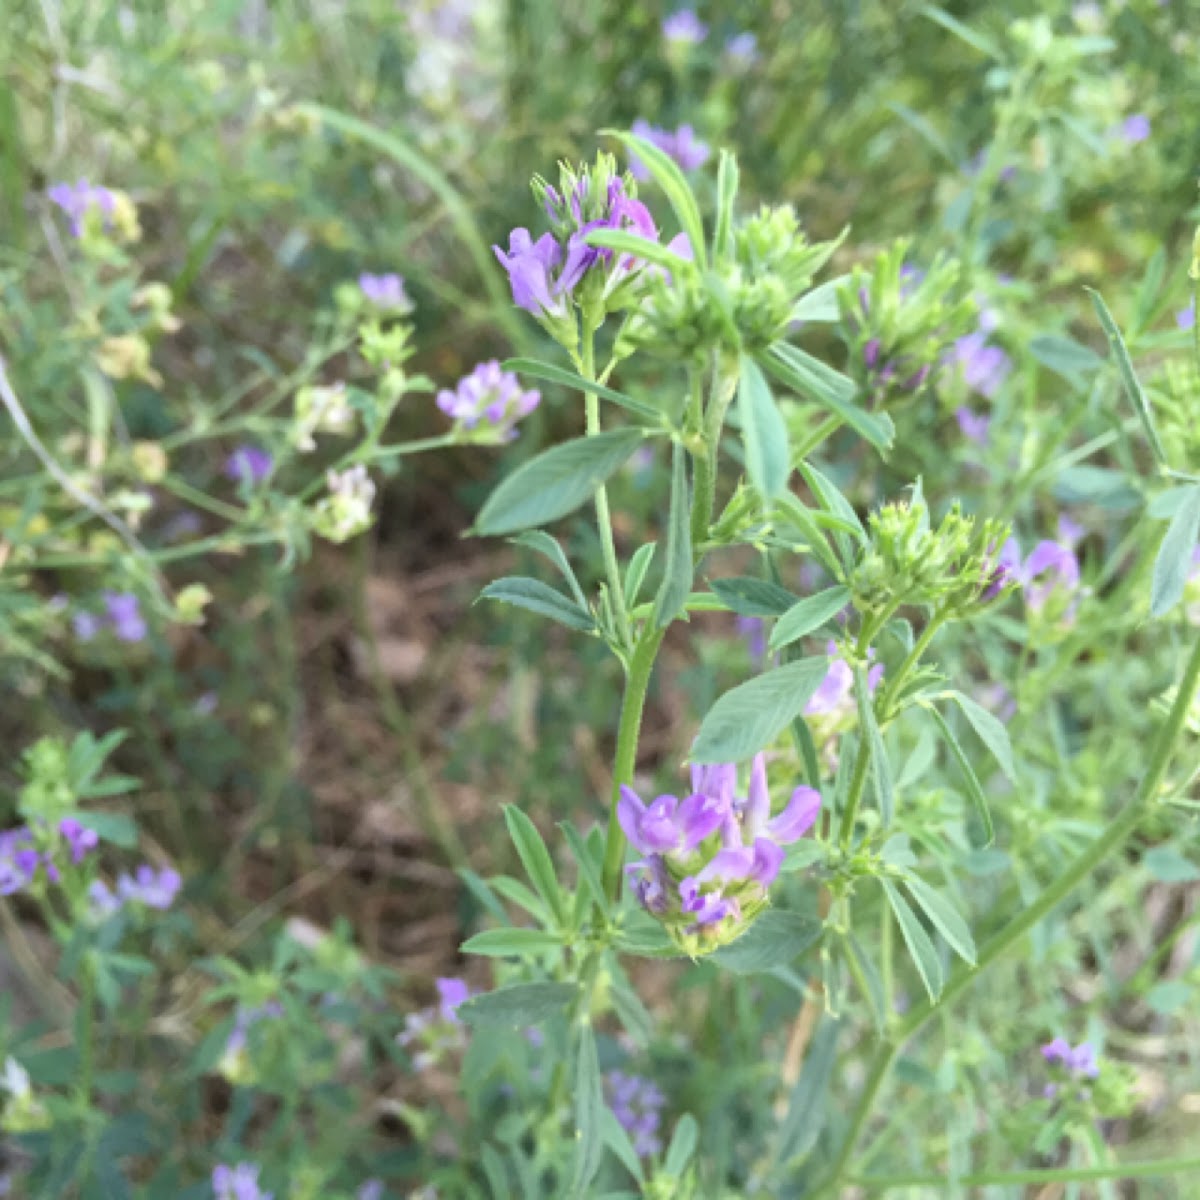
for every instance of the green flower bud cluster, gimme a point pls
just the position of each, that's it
(1173, 396)
(909, 562)
(744, 304)
(897, 323)
(49, 792)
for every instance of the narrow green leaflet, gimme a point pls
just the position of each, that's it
(963, 32)
(924, 130)
(543, 543)
(830, 389)
(511, 943)
(776, 938)
(589, 1114)
(808, 1105)
(1133, 388)
(810, 526)
(589, 870)
(618, 1141)
(116, 828)
(974, 789)
(809, 614)
(540, 598)
(633, 243)
(820, 306)
(881, 768)
(537, 369)
(832, 499)
(752, 715)
(1174, 561)
(556, 482)
(991, 732)
(923, 952)
(764, 433)
(751, 597)
(670, 178)
(683, 1145)
(677, 580)
(943, 916)
(535, 858)
(1065, 356)
(518, 1005)
(497, 1176)
(727, 189)
(868, 978)
(635, 575)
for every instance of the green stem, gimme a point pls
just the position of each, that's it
(603, 517)
(1133, 1170)
(826, 429)
(901, 673)
(637, 681)
(1083, 865)
(858, 780)
(86, 1019)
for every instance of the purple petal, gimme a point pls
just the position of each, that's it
(797, 818)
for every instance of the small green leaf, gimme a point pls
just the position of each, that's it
(809, 614)
(809, 1104)
(1065, 356)
(943, 916)
(677, 579)
(635, 576)
(675, 187)
(625, 242)
(618, 1141)
(535, 858)
(116, 828)
(518, 1006)
(589, 870)
(881, 768)
(544, 544)
(991, 732)
(751, 597)
(1167, 865)
(511, 943)
(871, 984)
(832, 500)
(820, 306)
(764, 433)
(1169, 997)
(1174, 562)
(727, 189)
(589, 1114)
(964, 33)
(1133, 388)
(537, 597)
(752, 715)
(683, 1146)
(811, 525)
(974, 789)
(777, 938)
(929, 966)
(831, 390)
(556, 482)
(552, 374)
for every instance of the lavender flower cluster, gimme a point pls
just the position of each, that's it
(710, 858)
(25, 851)
(436, 1030)
(489, 394)
(122, 617)
(1079, 1063)
(146, 886)
(80, 199)
(238, 1182)
(637, 1103)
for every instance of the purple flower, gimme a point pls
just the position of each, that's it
(155, 889)
(385, 291)
(972, 425)
(834, 696)
(743, 49)
(637, 1103)
(86, 625)
(1080, 1061)
(105, 902)
(451, 993)
(492, 395)
(249, 464)
(238, 1183)
(371, 1190)
(529, 265)
(710, 858)
(681, 144)
(79, 839)
(1185, 318)
(124, 616)
(984, 367)
(18, 860)
(79, 199)
(685, 28)
(1135, 128)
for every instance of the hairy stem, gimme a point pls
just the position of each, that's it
(1084, 864)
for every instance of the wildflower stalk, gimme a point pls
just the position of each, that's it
(1159, 1168)
(1114, 836)
(616, 593)
(637, 681)
(892, 688)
